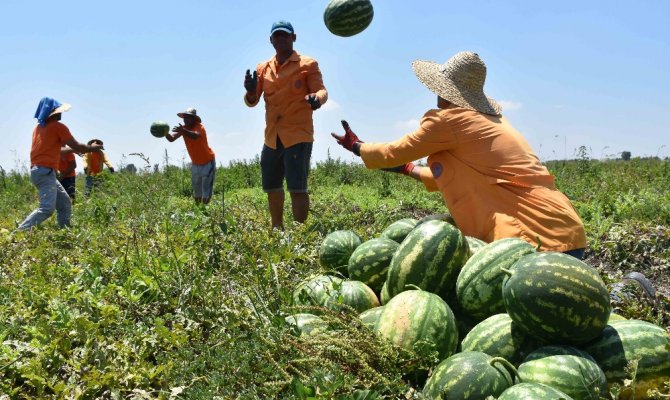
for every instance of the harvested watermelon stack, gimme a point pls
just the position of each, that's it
(506, 320)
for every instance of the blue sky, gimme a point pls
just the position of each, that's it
(569, 73)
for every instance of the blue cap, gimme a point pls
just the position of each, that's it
(281, 26)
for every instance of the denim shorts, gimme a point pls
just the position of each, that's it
(290, 163)
(202, 179)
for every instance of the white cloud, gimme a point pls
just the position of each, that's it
(510, 105)
(331, 105)
(405, 126)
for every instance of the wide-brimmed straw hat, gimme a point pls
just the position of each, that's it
(189, 111)
(460, 81)
(61, 109)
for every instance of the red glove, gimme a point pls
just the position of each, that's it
(349, 139)
(404, 169)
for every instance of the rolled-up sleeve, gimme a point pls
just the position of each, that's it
(315, 82)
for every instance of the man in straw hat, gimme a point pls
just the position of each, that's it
(292, 87)
(203, 164)
(93, 165)
(48, 137)
(492, 182)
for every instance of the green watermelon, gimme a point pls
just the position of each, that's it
(498, 336)
(625, 341)
(470, 375)
(370, 317)
(336, 249)
(430, 257)
(474, 244)
(533, 391)
(615, 317)
(398, 230)
(307, 324)
(348, 17)
(159, 129)
(479, 284)
(316, 291)
(567, 369)
(437, 217)
(384, 295)
(419, 318)
(556, 297)
(354, 294)
(370, 262)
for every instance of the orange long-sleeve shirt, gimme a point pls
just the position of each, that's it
(284, 87)
(93, 161)
(491, 180)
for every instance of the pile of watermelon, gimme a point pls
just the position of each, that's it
(506, 320)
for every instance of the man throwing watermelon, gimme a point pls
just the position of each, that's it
(491, 180)
(203, 164)
(292, 87)
(49, 136)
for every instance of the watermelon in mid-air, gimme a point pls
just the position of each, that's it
(160, 129)
(348, 17)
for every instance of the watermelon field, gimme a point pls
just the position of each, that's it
(148, 296)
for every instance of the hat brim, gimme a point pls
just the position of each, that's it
(94, 140)
(182, 115)
(430, 74)
(61, 109)
(281, 29)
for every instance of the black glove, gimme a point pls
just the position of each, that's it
(251, 82)
(313, 101)
(111, 170)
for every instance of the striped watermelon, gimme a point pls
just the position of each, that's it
(498, 336)
(479, 284)
(474, 244)
(625, 341)
(556, 297)
(370, 262)
(567, 369)
(370, 317)
(470, 375)
(419, 318)
(336, 249)
(430, 257)
(307, 324)
(316, 291)
(159, 129)
(533, 391)
(354, 294)
(615, 317)
(398, 230)
(437, 217)
(384, 295)
(348, 17)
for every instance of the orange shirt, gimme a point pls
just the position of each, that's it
(47, 141)
(93, 162)
(198, 149)
(64, 164)
(287, 113)
(491, 180)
